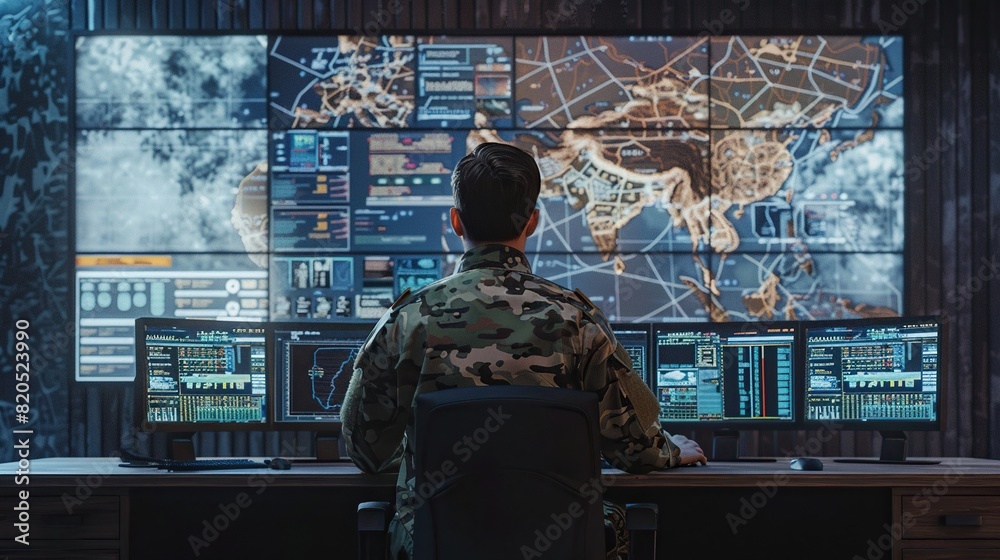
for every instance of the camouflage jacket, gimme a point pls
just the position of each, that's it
(492, 322)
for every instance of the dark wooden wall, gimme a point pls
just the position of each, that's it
(953, 170)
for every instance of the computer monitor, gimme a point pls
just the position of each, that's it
(313, 365)
(725, 376)
(195, 375)
(875, 374)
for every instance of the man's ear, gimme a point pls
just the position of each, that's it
(456, 222)
(529, 228)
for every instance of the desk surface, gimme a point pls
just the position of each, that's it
(56, 472)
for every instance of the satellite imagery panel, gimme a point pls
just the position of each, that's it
(171, 82)
(166, 190)
(342, 81)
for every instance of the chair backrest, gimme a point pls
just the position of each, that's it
(508, 472)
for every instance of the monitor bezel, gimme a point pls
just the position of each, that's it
(877, 425)
(277, 384)
(793, 423)
(141, 384)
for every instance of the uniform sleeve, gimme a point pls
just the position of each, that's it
(372, 421)
(632, 438)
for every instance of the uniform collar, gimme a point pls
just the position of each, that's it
(494, 256)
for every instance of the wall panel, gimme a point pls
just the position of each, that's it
(34, 236)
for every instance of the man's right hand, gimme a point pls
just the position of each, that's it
(691, 452)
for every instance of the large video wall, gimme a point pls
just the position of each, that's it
(307, 178)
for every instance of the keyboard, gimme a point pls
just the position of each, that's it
(211, 464)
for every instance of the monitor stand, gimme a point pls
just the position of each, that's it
(893, 452)
(330, 448)
(726, 449)
(181, 446)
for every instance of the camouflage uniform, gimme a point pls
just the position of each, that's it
(492, 322)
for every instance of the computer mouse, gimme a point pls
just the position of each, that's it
(805, 464)
(279, 464)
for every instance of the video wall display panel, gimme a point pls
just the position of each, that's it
(465, 82)
(806, 286)
(806, 81)
(342, 81)
(615, 191)
(330, 288)
(166, 81)
(112, 291)
(683, 178)
(149, 191)
(612, 82)
(636, 287)
(839, 190)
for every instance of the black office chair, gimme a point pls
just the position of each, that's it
(502, 470)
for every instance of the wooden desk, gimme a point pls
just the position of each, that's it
(92, 508)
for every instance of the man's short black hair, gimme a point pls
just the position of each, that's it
(495, 189)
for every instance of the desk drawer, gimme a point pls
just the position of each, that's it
(952, 517)
(36, 552)
(948, 550)
(97, 518)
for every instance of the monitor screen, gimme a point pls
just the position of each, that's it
(198, 374)
(725, 373)
(313, 364)
(874, 373)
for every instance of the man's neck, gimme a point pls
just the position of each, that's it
(520, 243)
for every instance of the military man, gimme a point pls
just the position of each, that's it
(495, 322)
